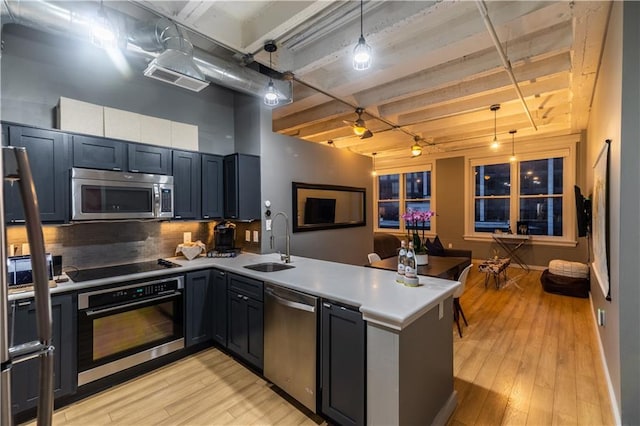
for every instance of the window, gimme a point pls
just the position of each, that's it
(529, 196)
(399, 192)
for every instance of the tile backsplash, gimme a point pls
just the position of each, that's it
(89, 245)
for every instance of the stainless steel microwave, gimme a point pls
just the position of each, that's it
(104, 195)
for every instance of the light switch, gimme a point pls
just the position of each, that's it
(247, 235)
(267, 224)
(256, 236)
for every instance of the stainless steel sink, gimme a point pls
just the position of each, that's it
(269, 267)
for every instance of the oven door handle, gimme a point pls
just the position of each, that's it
(92, 312)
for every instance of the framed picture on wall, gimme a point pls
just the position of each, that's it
(600, 222)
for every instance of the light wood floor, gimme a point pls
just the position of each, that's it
(526, 358)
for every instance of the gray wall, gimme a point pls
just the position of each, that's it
(449, 193)
(617, 108)
(37, 68)
(284, 160)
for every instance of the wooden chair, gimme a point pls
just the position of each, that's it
(457, 309)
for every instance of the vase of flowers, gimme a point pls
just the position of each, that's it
(416, 220)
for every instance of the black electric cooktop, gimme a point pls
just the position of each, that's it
(118, 270)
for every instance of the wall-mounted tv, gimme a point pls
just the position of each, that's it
(319, 210)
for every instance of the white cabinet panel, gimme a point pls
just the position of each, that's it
(155, 131)
(80, 117)
(119, 124)
(184, 136)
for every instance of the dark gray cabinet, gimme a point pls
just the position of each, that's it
(219, 279)
(245, 334)
(48, 158)
(242, 187)
(343, 364)
(186, 185)
(212, 186)
(24, 376)
(99, 153)
(149, 159)
(198, 307)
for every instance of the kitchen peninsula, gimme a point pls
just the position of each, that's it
(409, 343)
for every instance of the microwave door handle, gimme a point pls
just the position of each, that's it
(41, 282)
(156, 200)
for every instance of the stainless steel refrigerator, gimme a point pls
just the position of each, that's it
(14, 166)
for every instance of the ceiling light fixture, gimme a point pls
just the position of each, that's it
(373, 172)
(271, 95)
(102, 30)
(513, 145)
(495, 144)
(359, 127)
(416, 148)
(362, 51)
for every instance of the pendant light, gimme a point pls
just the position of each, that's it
(271, 95)
(374, 172)
(362, 51)
(495, 144)
(513, 145)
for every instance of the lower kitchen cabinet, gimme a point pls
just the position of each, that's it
(245, 319)
(219, 279)
(198, 300)
(343, 364)
(25, 376)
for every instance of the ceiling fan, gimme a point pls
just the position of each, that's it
(359, 128)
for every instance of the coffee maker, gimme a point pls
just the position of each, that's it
(225, 236)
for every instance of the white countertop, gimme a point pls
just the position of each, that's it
(375, 292)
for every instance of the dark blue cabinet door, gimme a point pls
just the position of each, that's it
(245, 327)
(48, 158)
(343, 364)
(149, 159)
(24, 376)
(242, 187)
(219, 306)
(212, 187)
(186, 185)
(255, 333)
(99, 153)
(198, 307)
(237, 324)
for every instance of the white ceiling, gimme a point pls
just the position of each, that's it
(435, 71)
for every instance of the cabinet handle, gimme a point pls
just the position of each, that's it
(135, 171)
(177, 217)
(327, 305)
(239, 296)
(117, 169)
(18, 221)
(222, 274)
(206, 216)
(245, 298)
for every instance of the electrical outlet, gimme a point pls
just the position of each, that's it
(247, 235)
(601, 317)
(186, 237)
(256, 236)
(450, 245)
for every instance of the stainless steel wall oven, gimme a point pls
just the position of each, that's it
(127, 325)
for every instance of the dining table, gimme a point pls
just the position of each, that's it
(438, 266)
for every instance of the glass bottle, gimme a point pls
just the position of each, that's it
(402, 256)
(410, 268)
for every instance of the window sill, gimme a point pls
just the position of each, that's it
(534, 240)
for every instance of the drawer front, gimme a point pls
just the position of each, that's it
(247, 286)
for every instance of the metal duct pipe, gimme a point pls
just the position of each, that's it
(505, 61)
(51, 17)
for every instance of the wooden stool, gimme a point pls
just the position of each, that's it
(494, 267)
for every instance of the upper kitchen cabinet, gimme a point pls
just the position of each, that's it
(186, 185)
(49, 160)
(212, 186)
(99, 153)
(149, 159)
(242, 187)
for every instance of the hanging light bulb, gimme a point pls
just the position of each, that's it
(103, 33)
(271, 97)
(416, 150)
(513, 146)
(495, 144)
(362, 51)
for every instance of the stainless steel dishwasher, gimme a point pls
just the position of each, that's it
(290, 332)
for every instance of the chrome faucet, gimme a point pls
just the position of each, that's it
(284, 257)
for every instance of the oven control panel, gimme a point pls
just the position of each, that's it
(129, 293)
